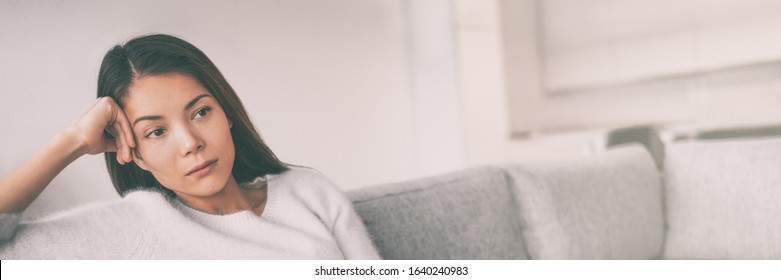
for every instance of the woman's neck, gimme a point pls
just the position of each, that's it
(231, 199)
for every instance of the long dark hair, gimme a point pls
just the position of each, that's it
(160, 54)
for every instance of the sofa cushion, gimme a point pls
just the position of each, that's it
(468, 214)
(603, 207)
(724, 199)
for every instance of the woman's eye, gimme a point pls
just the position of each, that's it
(155, 133)
(202, 112)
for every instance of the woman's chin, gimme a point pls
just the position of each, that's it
(204, 186)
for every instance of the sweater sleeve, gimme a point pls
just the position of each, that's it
(101, 230)
(351, 234)
(346, 226)
(8, 223)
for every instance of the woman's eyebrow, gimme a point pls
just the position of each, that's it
(145, 118)
(186, 107)
(195, 100)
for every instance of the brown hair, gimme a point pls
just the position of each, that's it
(160, 54)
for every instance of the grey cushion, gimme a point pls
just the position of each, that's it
(603, 207)
(468, 214)
(724, 199)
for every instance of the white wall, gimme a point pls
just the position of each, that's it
(329, 84)
(480, 59)
(437, 108)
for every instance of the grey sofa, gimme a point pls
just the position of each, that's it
(713, 200)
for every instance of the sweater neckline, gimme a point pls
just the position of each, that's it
(244, 215)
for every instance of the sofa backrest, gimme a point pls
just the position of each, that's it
(469, 214)
(603, 207)
(723, 199)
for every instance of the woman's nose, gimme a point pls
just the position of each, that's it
(191, 142)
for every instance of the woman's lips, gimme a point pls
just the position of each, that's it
(203, 169)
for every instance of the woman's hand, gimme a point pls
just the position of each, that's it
(105, 128)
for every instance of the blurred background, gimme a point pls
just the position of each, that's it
(377, 91)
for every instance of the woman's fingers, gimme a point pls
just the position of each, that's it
(125, 138)
(125, 143)
(110, 146)
(120, 128)
(122, 146)
(124, 124)
(119, 142)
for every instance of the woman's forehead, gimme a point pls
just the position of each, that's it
(159, 94)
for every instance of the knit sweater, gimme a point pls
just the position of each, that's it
(305, 217)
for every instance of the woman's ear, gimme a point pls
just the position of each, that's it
(139, 161)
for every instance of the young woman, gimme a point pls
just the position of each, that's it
(197, 180)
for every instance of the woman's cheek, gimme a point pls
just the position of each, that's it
(150, 153)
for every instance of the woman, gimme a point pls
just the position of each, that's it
(197, 180)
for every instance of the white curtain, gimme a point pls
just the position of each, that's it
(597, 44)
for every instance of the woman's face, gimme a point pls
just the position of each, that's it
(183, 136)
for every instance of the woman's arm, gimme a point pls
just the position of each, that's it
(20, 188)
(27, 181)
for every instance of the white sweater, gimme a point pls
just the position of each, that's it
(305, 217)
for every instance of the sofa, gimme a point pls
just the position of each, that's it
(714, 199)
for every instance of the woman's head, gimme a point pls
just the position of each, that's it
(184, 114)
